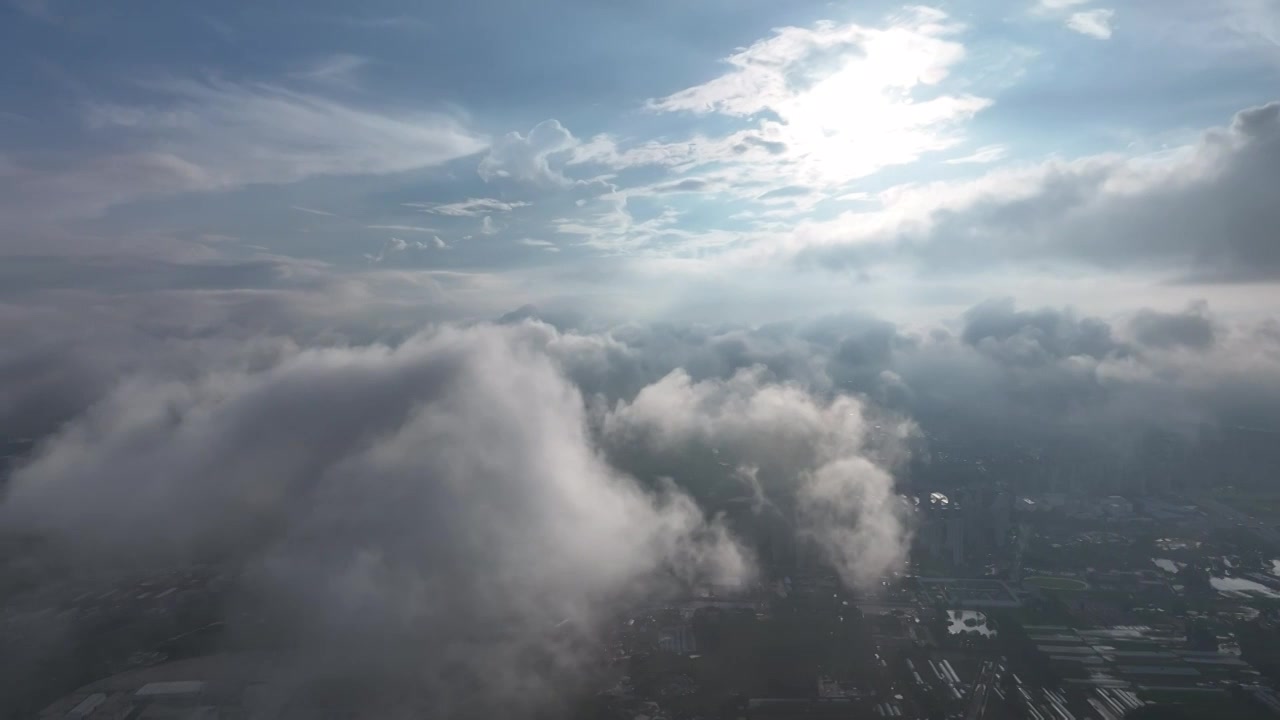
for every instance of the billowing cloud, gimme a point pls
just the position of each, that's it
(824, 461)
(388, 489)
(1192, 328)
(1200, 211)
(423, 509)
(527, 157)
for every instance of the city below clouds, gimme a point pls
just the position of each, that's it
(500, 316)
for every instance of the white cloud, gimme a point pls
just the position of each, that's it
(471, 207)
(402, 228)
(341, 69)
(399, 245)
(606, 223)
(544, 245)
(825, 453)
(981, 156)
(216, 135)
(312, 211)
(842, 94)
(242, 133)
(1259, 19)
(1059, 4)
(390, 500)
(1094, 23)
(527, 157)
(1191, 211)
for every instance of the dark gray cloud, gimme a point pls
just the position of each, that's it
(1205, 212)
(1035, 336)
(1192, 328)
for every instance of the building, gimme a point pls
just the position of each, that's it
(955, 533)
(1137, 657)
(1116, 507)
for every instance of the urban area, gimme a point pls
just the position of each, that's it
(1060, 598)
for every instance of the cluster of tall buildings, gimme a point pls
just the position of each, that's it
(966, 528)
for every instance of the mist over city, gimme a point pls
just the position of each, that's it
(716, 360)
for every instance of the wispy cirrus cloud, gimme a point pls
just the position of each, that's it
(403, 228)
(981, 156)
(312, 211)
(546, 245)
(1094, 23)
(206, 135)
(471, 207)
(842, 96)
(340, 69)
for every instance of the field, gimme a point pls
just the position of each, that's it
(1056, 583)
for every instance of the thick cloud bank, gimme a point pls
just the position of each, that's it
(1204, 212)
(812, 455)
(437, 504)
(471, 502)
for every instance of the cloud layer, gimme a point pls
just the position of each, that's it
(433, 505)
(1201, 211)
(396, 489)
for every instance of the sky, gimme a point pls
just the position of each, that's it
(432, 317)
(724, 159)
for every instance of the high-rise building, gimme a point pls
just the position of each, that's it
(955, 540)
(1001, 518)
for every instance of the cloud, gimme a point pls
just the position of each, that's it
(1059, 4)
(1035, 337)
(1256, 19)
(312, 211)
(471, 207)
(1191, 328)
(403, 228)
(430, 509)
(341, 69)
(981, 156)
(218, 135)
(841, 95)
(388, 490)
(546, 245)
(1197, 211)
(396, 245)
(1094, 23)
(816, 458)
(526, 158)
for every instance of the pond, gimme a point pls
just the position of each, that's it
(962, 621)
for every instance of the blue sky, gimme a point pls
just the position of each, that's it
(721, 158)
